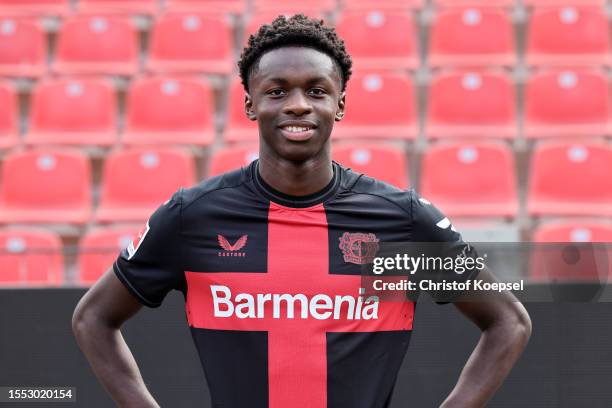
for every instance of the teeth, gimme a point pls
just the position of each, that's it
(296, 129)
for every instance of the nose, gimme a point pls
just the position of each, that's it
(297, 104)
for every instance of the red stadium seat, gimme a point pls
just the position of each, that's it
(549, 3)
(379, 106)
(296, 5)
(474, 3)
(30, 257)
(34, 8)
(136, 182)
(571, 179)
(385, 163)
(23, 49)
(8, 116)
(232, 158)
(592, 262)
(383, 4)
(238, 127)
(567, 103)
(206, 6)
(379, 39)
(47, 187)
(106, 7)
(472, 37)
(568, 36)
(191, 44)
(99, 248)
(471, 179)
(166, 110)
(73, 112)
(471, 104)
(97, 45)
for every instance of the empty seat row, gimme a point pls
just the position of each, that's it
(34, 257)
(463, 179)
(178, 110)
(202, 43)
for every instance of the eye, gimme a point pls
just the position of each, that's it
(317, 92)
(276, 92)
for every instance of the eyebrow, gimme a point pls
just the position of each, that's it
(283, 81)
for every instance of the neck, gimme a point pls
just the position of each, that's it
(296, 178)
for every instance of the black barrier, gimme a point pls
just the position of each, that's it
(568, 362)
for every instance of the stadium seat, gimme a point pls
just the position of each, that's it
(205, 6)
(191, 43)
(570, 36)
(467, 104)
(379, 39)
(571, 179)
(464, 179)
(99, 248)
(232, 158)
(136, 182)
(549, 259)
(549, 3)
(379, 106)
(324, 6)
(238, 127)
(30, 257)
(166, 110)
(23, 49)
(46, 187)
(128, 7)
(383, 4)
(472, 37)
(74, 112)
(473, 3)
(97, 45)
(8, 116)
(385, 163)
(567, 103)
(34, 8)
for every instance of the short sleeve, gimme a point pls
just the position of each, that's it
(151, 264)
(431, 227)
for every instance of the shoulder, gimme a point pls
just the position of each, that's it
(223, 182)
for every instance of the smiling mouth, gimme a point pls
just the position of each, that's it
(297, 133)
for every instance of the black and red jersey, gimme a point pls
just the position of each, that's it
(272, 285)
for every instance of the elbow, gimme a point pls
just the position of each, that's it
(81, 321)
(521, 326)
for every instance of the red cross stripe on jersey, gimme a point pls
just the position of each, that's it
(298, 263)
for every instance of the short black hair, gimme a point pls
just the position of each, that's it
(298, 30)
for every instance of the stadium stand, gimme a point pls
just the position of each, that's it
(470, 179)
(552, 3)
(379, 105)
(45, 187)
(206, 6)
(8, 116)
(567, 103)
(386, 163)
(238, 128)
(190, 43)
(474, 3)
(570, 36)
(34, 8)
(169, 111)
(466, 104)
(471, 37)
(97, 45)
(124, 7)
(231, 158)
(74, 112)
(383, 4)
(571, 179)
(30, 257)
(98, 249)
(316, 6)
(380, 39)
(23, 49)
(136, 182)
(573, 231)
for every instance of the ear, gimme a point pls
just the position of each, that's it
(248, 107)
(340, 110)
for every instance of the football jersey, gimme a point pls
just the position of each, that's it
(273, 286)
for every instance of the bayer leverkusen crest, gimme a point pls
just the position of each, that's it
(359, 248)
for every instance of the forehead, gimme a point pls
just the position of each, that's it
(296, 63)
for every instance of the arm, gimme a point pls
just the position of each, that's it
(506, 328)
(95, 323)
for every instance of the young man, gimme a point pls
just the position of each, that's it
(269, 258)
